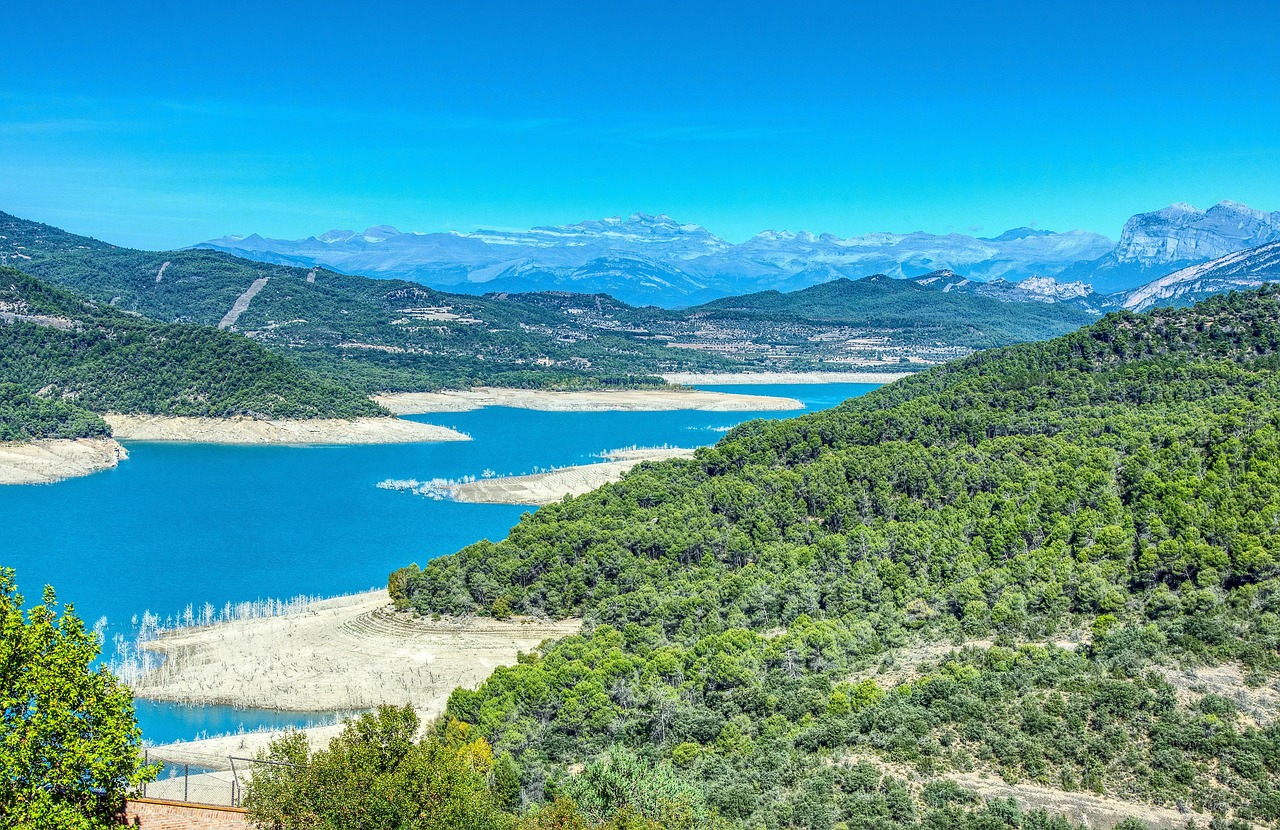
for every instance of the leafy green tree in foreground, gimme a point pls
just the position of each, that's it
(69, 743)
(375, 775)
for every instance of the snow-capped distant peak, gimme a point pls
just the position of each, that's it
(336, 235)
(784, 236)
(379, 233)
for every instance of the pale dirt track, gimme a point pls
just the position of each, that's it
(253, 431)
(341, 654)
(619, 400)
(241, 305)
(545, 488)
(47, 461)
(743, 378)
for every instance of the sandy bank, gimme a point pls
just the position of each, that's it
(251, 431)
(545, 488)
(727, 379)
(338, 655)
(616, 400)
(214, 751)
(43, 462)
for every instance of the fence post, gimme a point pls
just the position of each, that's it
(235, 782)
(186, 782)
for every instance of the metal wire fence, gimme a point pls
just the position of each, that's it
(200, 779)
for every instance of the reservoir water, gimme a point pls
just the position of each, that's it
(183, 524)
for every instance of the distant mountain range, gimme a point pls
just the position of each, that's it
(656, 260)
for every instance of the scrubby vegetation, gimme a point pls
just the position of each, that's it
(1085, 513)
(377, 774)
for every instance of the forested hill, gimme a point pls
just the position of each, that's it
(882, 302)
(1095, 518)
(64, 357)
(382, 335)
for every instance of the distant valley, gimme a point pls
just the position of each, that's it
(91, 328)
(394, 335)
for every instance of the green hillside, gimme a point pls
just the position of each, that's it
(77, 357)
(25, 417)
(1011, 566)
(382, 335)
(907, 306)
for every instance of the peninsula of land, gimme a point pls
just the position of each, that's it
(548, 487)
(612, 400)
(340, 654)
(277, 431)
(48, 460)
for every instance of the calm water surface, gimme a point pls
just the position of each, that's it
(181, 524)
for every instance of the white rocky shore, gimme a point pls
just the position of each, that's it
(280, 431)
(613, 400)
(49, 460)
(543, 487)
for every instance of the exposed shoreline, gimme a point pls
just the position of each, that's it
(339, 654)
(549, 487)
(744, 378)
(50, 460)
(280, 431)
(613, 400)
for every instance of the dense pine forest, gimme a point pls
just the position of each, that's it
(63, 358)
(1008, 566)
(25, 417)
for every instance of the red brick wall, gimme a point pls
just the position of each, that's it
(154, 814)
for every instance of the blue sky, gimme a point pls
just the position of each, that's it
(163, 125)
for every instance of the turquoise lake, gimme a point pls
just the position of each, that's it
(181, 524)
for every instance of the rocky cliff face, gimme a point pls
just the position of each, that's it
(1235, 271)
(1180, 233)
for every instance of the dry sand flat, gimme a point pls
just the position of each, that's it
(545, 488)
(44, 462)
(253, 431)
(616, 400)
(341, 654)
(734, 379)
(214, 752)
